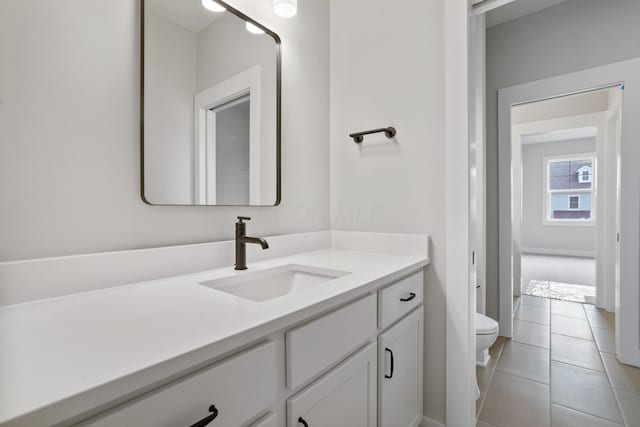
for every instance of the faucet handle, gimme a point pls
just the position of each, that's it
(243, 218)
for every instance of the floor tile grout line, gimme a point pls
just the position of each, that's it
(580, 366)
(570, 317)
(606, 373)
(532, 321)
(495, 368)
(590, 415)
(531, 345)
(578, 338)
(573, 336)
(527, 378)
(613, 386)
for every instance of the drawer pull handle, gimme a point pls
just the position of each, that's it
(391, 374)
(303, 422)
(409, 298)
(206, 420)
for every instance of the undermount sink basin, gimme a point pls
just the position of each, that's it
(275, 282)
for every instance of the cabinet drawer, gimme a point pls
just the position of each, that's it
(240, 388)
(321, 343)
(400, 298)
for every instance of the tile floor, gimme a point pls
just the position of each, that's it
(559, 370)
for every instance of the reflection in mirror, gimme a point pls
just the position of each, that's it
(211, 106)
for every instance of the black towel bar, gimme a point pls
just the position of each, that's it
(358, 137)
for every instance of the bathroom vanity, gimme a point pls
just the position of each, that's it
(327, 338)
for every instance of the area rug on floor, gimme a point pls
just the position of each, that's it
(562, 291)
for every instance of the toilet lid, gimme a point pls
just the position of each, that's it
(485, 325)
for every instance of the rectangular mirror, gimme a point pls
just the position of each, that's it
(211, 106)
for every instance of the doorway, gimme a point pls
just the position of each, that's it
(564, 170)
(610, 241)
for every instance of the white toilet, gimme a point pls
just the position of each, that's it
(486, 334)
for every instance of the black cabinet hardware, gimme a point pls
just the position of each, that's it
(206, 420)
(409, 298)
(391, 353)
(303, 422)
(358, 137)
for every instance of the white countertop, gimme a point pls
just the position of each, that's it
(62, 356)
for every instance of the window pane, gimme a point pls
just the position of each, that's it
(570, 174)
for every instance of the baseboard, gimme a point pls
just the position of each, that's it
(428, 422)
(558, 252)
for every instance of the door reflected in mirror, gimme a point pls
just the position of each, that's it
(211, 101)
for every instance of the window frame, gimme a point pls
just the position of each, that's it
(547, 193)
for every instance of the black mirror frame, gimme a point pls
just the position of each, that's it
(278, 41)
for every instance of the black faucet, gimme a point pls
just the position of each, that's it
(241, 243)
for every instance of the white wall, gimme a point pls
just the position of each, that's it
(555, 239)
(69, 132)
(170, 83)
(387, 69)
(571, 36)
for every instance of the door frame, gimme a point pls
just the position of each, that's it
(627, 74)
(245, 83)
(460, 296)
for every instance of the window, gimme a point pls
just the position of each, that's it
(574, 203)
(569, 189)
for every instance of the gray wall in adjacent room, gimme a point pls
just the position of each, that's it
(555, 239)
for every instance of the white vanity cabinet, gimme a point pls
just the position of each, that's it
(356, 365)
(400, 373)
(344, 397)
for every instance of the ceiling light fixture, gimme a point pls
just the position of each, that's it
(212, 6)
(253, 29)
(285, 8)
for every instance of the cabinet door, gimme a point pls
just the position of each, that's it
(345, 396)
(400, 373)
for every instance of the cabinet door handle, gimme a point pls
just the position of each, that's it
(302, 421)
(409, 298)
(391, 353)
(206, 420)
